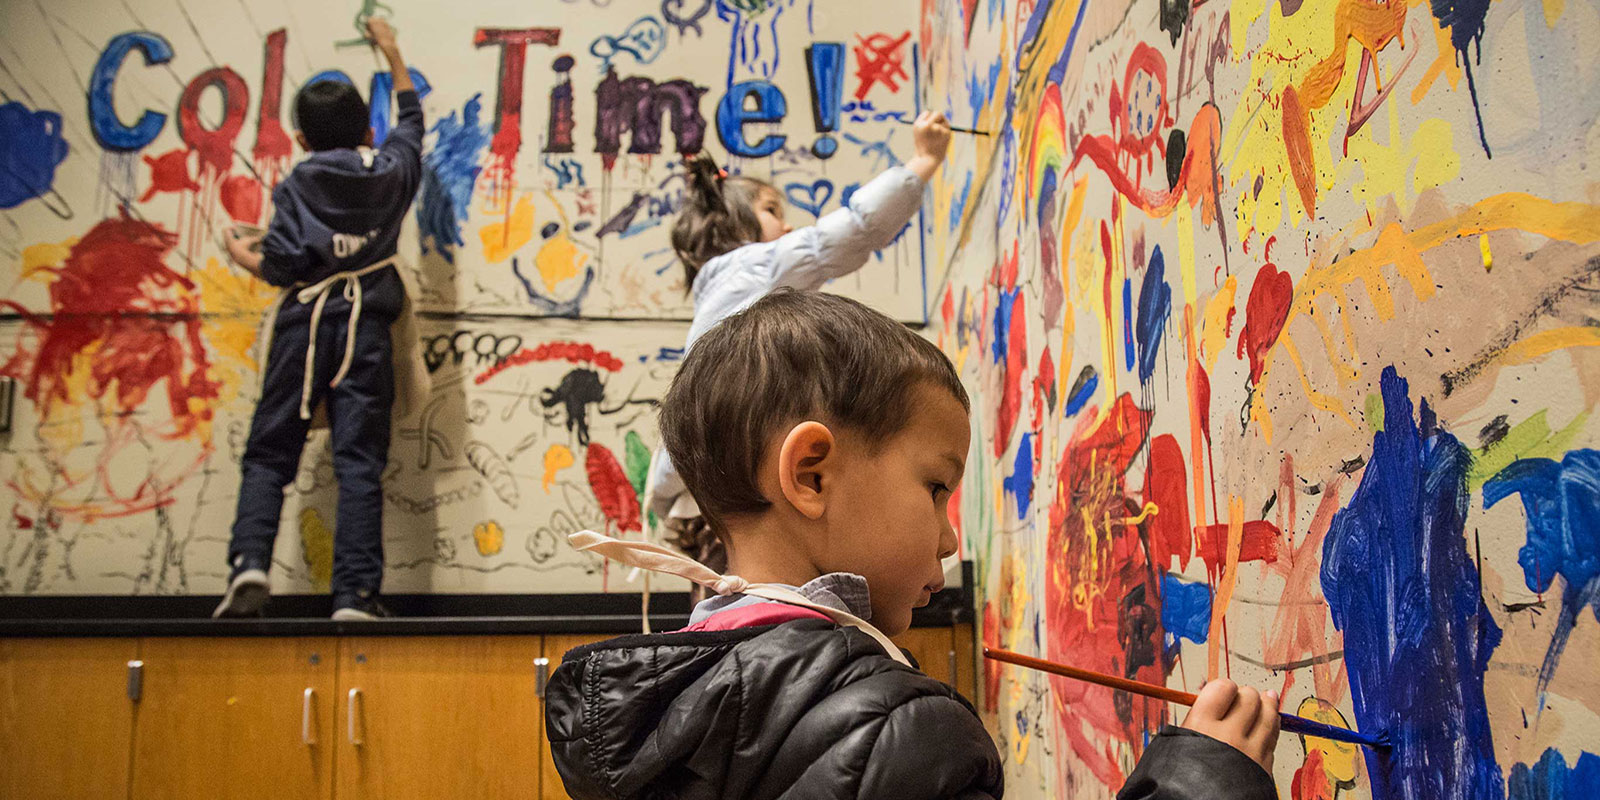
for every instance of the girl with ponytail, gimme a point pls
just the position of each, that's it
(736, 247)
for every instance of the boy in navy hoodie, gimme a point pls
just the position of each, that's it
(331, 244)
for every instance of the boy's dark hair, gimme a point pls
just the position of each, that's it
(719, 214)
(332, 115)
(789, 357)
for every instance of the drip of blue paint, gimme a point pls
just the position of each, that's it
(449, 172)
(1127, 323)
(1185, 608)
(1020, 483)
(1561, 501)
(1417, 635)
(1465, 19)
(1155, 304)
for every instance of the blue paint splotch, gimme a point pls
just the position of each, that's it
(1001, 345)
(1417, 635)
(31, 147)
(1465, 19)
(1082, 390)
(1155, 305)
(1562, 503)
(1020, 483)
(1551, 779)
(1128, 353)
(449, 173)
(1185, 608)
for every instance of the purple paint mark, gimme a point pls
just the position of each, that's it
(1562, 504)
(1551, 779)
(1020, 483)
(1185, 609)
(1155, 305)
(449, 172)
(1404, 591)
(31, 147)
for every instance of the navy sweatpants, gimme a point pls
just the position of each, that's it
(358, 415)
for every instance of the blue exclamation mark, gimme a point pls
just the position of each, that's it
(825, 66)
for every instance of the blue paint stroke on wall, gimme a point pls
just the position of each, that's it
(1551, 779)
(1155, 305)
(1185, 608)
(1020, 482)
(958, 202)
(449, 171)
(1082, 389)
(1403, 589)
(1127, 322)
(1562, 504)
(1002, 324)
(31, 146)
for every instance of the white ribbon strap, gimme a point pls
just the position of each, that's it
(319, 292)
(655, 558)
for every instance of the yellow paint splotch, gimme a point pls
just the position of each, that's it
(502, 239)
(489, 537)
(558, 260)
(557, 458)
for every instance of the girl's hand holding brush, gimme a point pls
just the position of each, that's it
(1238, 715)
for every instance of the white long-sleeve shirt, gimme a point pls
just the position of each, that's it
(839, 244)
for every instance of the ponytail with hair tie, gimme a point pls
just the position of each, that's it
(718, 214)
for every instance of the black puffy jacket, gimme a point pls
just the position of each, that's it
(804, 709)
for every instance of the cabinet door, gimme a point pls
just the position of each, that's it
(66, 720)
(438, 716)
(235, 718)
(554, 648)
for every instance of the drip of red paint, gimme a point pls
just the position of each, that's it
(214, 145)
(273, 148)
(612, 489)
(1264, 314)
(241, 197)
(169, 172)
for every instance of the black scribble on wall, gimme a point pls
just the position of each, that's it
(578, 390)
(493, 468)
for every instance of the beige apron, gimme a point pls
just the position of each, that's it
(412, 384)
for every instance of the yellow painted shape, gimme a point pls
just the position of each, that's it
(38, 258)
(502, 239)
(1547, 342)
(1338, 758)
(316, 546)
(489, 537)
(557, 458)
(558, 260)
(1483, 250)
(1402, 169)
(1214, 328)
(1552, 11)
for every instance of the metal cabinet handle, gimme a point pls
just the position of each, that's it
(305, 717)
(135, 680)
(541, 676)
(953, 663)
(352, 706)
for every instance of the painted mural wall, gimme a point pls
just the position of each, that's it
(553, 311)
(1281, 319)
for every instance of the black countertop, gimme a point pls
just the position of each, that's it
(415, 615)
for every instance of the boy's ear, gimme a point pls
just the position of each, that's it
(806, 463)
(300, 139)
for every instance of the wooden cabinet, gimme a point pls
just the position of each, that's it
(309, 718)
(438, 716)
(555, 647)
(65, 718)
(224, 718)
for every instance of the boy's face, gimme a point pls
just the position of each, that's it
(888, 510)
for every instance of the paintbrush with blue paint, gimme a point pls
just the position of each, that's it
(1288, 722)
(953, 128)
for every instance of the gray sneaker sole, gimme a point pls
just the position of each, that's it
(247, 594)
(352, 615)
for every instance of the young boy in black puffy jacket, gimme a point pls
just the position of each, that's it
(823, 441)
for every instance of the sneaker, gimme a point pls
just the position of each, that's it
(361, 606)
(247, 588)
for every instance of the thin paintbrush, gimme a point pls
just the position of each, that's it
(1290, 722)
(953, 129)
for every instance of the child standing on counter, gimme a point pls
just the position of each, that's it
(331, 245)
(736, 247)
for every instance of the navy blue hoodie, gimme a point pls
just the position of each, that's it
(333, 213)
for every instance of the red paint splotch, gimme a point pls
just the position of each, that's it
(572, 352)
(169, 172)
(1311, 780)
(611, 487)
(1260, 543)
(1166, 484)
(241, 197)
(119, 314)
(1264, 314)
(1101, 600)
